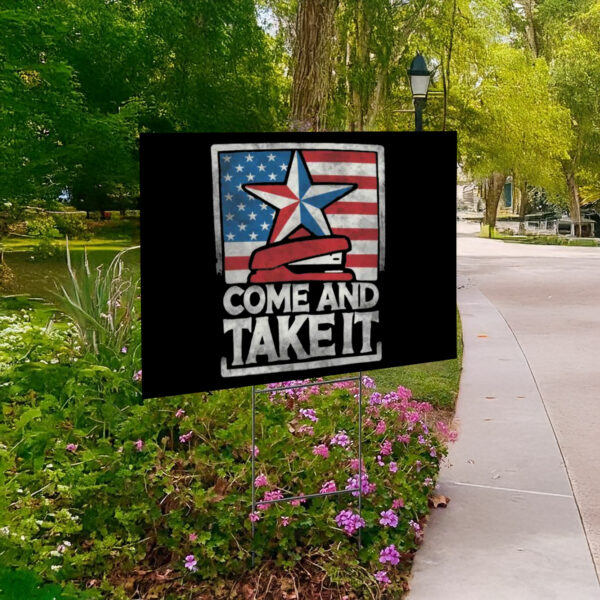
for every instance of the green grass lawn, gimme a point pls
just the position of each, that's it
(435, 382)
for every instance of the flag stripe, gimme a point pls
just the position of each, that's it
(365, 183)
(360, 196)
(365, 274)
(338, 156)
(352, 208)
(353, 221)
(242, 248)
(358, 234)
(236, 262)
(361, 260)
(333, 168)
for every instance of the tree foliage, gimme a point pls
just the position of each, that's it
(81, 79)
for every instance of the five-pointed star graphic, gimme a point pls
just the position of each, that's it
(299, 201)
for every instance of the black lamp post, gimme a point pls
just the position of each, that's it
(419, 76)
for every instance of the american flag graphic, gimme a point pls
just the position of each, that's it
(269, 194)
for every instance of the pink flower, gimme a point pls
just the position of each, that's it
(274, 495)
(380, 428)
(72, 447)
(138, 376)
(260, 481)
(254, 516)
(139, 445)
(349, 521)
(124, 350)
(298, 502)
(418, 465)
(382, 577)
(368, 382)
(321, 450)
(379, 461)
(414, 525)
(309, 413)
(375, 398)
(399, 503)
(388, 518)
(393, 467)
(306, 430)
(386, 448)
(193, 537)
(389, 554)
(353, 464)
(285, 521)
(340, 439)
(186, 437)
(404, 439)
(404, 393)
(180, 413)
(190, 563)
(367, 488)
(328, 486)
(428, 481)
(255, 451)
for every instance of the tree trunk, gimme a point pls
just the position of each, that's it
(360, 65)
(312, 60)
(574, 201)
(523, 204)
(496, 185)
(446, 69)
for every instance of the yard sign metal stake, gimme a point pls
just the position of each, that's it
(358, 489)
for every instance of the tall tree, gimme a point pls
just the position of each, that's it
(312, 63)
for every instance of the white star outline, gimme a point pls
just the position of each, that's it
(302, 198)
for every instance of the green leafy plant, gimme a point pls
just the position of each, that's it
(101, 303)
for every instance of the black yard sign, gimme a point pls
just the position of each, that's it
(292, 255)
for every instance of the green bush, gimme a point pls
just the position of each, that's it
(100, 486)
(73, 225)
(42, 226)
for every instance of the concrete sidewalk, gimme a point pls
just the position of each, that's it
(512, 529)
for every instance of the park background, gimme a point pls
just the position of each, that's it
(108, 496)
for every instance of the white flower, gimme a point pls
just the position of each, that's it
(55, 567)
(4, 531)
(66, 542)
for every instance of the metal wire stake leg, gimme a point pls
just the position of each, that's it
(360, 481)
(253, 454)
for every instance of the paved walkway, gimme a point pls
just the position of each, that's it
(513, 529)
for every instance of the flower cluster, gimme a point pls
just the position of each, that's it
(260, 481)
(328, 487)
(388, 518)
(321, 450)
(366, 487)
(186, 437)
(389, 554)
(340, 439)
(274, 495)
(309, 413)
(349, 521)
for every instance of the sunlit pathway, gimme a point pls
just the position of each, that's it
(519, 525)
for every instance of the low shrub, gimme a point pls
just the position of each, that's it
(109, 492)
(73, 225)
(42, 226)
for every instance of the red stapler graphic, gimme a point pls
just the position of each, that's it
(302, 259)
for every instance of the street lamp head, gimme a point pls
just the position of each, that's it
(419, 76)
